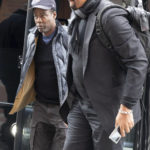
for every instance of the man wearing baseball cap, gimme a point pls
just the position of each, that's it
(44, 4)
(43, 77)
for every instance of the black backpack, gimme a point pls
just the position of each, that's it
(138, 19)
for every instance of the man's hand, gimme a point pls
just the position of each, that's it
(66, 125)
(124, 121)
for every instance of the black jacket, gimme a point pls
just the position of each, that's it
(107, 84)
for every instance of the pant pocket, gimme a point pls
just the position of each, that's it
(42, 135)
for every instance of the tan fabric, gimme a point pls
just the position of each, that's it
(27, 93)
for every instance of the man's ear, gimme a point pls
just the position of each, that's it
(55, 14)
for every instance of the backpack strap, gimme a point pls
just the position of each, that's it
(102, 36)
(104, 6)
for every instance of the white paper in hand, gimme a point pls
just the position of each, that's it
(115, 136)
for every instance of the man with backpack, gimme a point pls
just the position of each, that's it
(106, 84)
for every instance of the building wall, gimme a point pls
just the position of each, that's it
(9, 6)
(64, 9)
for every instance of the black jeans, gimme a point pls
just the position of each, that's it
(85, 131)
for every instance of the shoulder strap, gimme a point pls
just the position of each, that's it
(104, 39)
(104, 6)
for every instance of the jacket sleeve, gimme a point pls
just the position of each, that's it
(130, 51)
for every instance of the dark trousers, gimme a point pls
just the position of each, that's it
(48, 131)
(85, 131)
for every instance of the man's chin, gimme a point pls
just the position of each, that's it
(72, 5)
(40, 30)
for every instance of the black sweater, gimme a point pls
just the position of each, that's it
(46, 85)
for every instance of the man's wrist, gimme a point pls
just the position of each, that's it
(124, 108)
(125, 112)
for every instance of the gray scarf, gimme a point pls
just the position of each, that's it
(80, 14)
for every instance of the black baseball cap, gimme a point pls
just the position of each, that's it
(44, 4)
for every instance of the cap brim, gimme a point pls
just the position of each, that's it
(41, 7)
